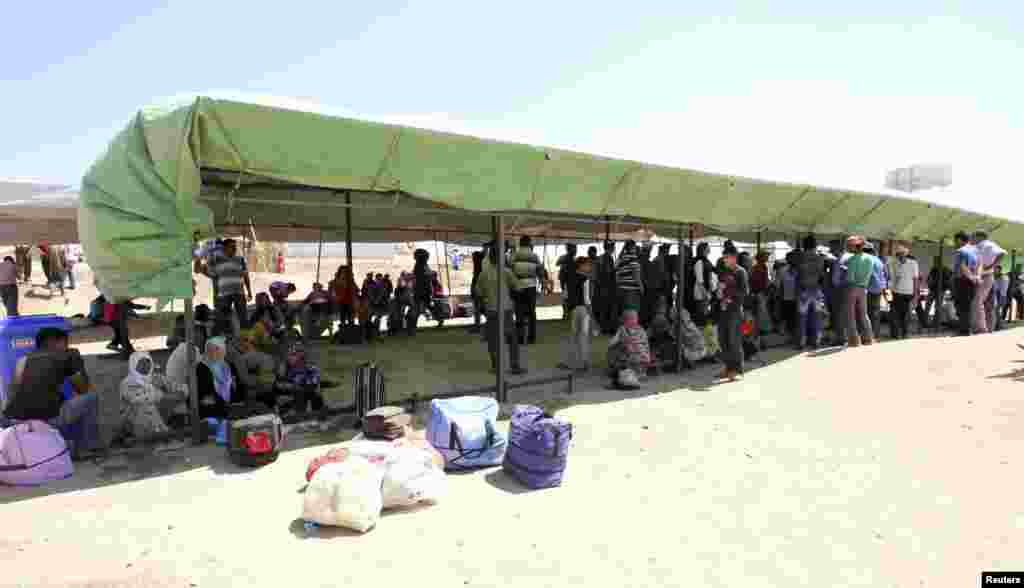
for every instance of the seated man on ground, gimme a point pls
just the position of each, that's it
(36, 391)
(142, 393)
(629, 354)
(299, 379)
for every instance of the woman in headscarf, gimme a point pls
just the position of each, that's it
(142, 391)
(217, 381)
(629, 354)
(300, 379)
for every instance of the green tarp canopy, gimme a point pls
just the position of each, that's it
(204, 164)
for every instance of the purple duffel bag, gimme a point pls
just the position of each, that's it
(538, 447)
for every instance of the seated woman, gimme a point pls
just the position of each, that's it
(142, 392)
(629, 354)
(217, 381)
(299, 379)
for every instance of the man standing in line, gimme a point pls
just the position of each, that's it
(989, 256)
(733, 287)
(233, 287)
(906, 288)
(530, 274)
(487, 286)
(859, 268)
(840, 290)
(965, 276)
(1000, 300)
(629, 277)
(565, 264)
(71, 253)
(878, 284)
(810, 270)
(23, 257)
(605, 304)
(9, 285)
(940, 279)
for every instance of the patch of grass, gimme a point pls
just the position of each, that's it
(437, 361)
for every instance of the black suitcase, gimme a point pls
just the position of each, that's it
(254, 435)
(367, 389)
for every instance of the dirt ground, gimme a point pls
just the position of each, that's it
(892, 465)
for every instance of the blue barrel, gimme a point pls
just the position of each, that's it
(18, 338)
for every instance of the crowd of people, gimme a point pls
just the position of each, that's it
(726, 308)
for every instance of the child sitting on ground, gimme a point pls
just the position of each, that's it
(299, 379)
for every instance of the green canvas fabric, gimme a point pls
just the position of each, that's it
(144, 197)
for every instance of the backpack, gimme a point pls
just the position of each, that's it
(254, 435)
(33, 453)
(368, 389)
(538, 447)
(464, 431)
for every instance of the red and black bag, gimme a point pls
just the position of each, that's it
(254, 435)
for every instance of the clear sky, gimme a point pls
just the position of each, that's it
(788, 90)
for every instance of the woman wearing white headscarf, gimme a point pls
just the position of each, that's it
(217, 381)
(141, 392)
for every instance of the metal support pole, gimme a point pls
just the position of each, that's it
(348, 233)
(607, 229)
(499, 244)
(319, 253)
(193, 391)
(680, 290)
(447, 266)
(758, 248)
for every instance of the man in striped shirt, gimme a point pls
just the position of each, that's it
(233, 287)
(629, 277)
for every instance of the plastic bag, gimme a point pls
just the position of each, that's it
(345, 494)
(411, 473)
(411, 477)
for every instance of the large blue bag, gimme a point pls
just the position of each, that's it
(538, 447)
(464, 431)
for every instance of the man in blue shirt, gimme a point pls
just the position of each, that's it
(965, 280)
(878, 284)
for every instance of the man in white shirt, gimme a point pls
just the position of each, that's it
(905, 282)
(989, 255)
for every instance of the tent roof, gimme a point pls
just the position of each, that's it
(32, 211)
(195, 163)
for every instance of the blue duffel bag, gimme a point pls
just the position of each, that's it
(464, 431)
(538, 447)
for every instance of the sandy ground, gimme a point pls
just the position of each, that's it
(893, 465)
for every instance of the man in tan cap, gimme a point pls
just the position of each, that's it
(906, 289)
